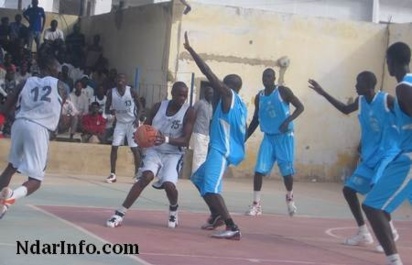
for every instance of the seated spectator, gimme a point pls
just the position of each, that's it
(54, 38)
(69, 119)
(23, 73)
(75, 45)
(9, 86)
(65, 78)
(87, 88)
(93, 125)
(79, 98)
(7, 62)
(100, 97)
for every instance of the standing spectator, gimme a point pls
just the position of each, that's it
(36, 17)
(93, 125)
(200, 136)
(75, 45)
(124, 103)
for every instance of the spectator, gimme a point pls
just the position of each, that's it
(4, 33)
(79, 99)
(65, 78)
(93, 125)
(23, 73)
(75, 44)
(20, 54)
(9, 87)
(69, 119)
(87, 89)
(54, 37)
(36, 17)
(111, 79)
(94, 52)
(18, 30)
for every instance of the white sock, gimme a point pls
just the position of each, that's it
(123, 210)
(363, 229)
(256, 197)
(392, 226)
(289, 194)
(20, 192)
(394, 259)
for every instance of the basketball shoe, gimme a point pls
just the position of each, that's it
(213, 222)
(290, 203)
(255, 209)
(116, 220)
(230, 233)
(173, 220)
(111, 178)
(362, 238)
(5, 200)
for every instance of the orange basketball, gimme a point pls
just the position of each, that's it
(145, 136)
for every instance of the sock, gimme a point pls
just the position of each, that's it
(394, 259)
(256, 197)
(18, 193)
(289, 195)
(121, 211)
(229, 222)
(173, 208)
(363, 229)
(392, 226)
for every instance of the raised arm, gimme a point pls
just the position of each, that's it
(255, 120)
(215, 83)
(342, 107)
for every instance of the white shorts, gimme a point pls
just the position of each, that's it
(166, 167)
(29, 148)
(123, 130)
(200, 146)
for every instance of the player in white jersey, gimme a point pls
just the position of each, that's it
(124, 104)
(395, 184)
(174, 120)
(38, 104)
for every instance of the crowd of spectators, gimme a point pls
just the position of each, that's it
(84, 71)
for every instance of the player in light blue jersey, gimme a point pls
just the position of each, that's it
(395, 185)
(378, 147)
(278, 145)
(226, 147)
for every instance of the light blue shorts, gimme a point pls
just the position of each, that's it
(280, 148)
(394, 187)
(208, 177)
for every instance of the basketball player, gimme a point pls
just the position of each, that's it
(38, 106)
(395, 184)
(124, 104)
(378, 147)
(174, 121)
(276, 122)
(226, 146)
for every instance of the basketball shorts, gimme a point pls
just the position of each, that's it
(394, 187)
(278, 148)
(208, 177)
(123, 130)
(29, 148)
(166, 167)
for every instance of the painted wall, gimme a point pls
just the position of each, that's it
(246, 41)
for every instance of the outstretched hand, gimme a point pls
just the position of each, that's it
(315, 86)
(186, 44)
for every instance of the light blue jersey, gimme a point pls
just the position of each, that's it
(228, 130)
(273, 111)
(404, 121)
(378, 132)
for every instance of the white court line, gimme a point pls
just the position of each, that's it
(143, 262)
(330, 231)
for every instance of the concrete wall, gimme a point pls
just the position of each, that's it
(136, 38)
(246, 41)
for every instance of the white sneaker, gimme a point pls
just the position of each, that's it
(5, 200)
(290, 203)
(111, 178)
(254, 210)
(360, 239)
(395, 234)
(173, 220)
(116, 220)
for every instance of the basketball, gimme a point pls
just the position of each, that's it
(145, 136)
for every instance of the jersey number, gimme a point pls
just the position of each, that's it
(45, 92)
